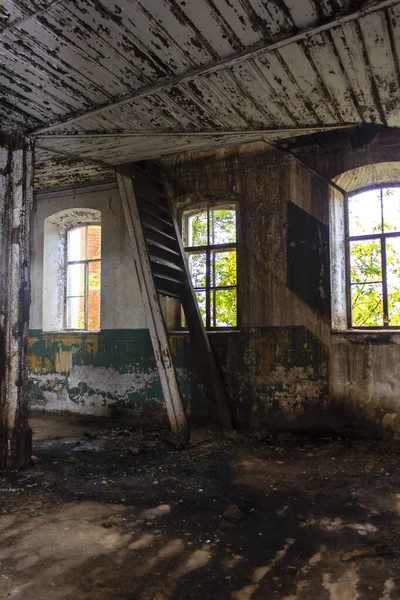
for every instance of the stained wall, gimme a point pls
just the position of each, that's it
(272, 374)
(363, 396)
(284, 367)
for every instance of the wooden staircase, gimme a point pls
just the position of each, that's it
(162, 270)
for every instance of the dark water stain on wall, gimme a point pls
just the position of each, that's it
(308, 259)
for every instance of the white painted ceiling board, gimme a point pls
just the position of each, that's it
(204, 66)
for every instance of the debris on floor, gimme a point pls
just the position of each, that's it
(119, 514)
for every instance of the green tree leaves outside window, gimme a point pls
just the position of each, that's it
(212, 268)
(374, 249)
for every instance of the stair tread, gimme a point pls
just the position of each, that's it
(145, 210)
(159, 231)
(154, 242)
(167, 278)
(164, 262)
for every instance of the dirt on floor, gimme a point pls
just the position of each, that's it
(114, 512)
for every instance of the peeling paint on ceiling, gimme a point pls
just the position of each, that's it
(193, 68)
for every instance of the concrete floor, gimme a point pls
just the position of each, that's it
(114, 513)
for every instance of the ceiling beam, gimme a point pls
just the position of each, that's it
(250, 53)
(213, 133)
(77, 157)
(278, 146)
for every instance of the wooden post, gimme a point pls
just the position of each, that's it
(16, 203)
(155, 320)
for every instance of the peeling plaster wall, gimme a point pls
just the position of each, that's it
(364, 387)
(90, 373)
(264, 180)
(273, 374)
(121, 303)
(364, 379)
(276, 366)
(284, 367)
(56, 381)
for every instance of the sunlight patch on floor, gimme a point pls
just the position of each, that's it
(260, 572)
(345, 588)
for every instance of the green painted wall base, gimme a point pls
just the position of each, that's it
(276, 376)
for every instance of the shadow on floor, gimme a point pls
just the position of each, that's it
(112, 513)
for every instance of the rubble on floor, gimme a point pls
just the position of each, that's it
(112, 512)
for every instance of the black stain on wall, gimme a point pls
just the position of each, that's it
(308, 259)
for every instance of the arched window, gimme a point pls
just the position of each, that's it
(83, 275)
(210, 244)
(373, 243)
(72, 270)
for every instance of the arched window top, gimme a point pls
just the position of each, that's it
(72, 270)
(73, 217)
(369, 176)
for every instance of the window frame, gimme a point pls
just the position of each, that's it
(86, 262)
(208, 250)
(382, 237)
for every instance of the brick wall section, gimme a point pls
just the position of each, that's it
(94, 251)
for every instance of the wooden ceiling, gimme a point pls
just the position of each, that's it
(111, 81)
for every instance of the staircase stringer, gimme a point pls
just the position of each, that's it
(155, 320)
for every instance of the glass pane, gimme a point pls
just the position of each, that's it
(76, 244)
(365, 261)
(393, 279)
(367, 305)
(94, 241)
(201, 301)
(76, 280)
(223, 268)
(94, 295)
(197, 229)
(75, 313)
(197, 268)
(225, 312)
(391, 209)
(365, 213)
(223, 229)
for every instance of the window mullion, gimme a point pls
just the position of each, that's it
(384, 284)
(208, 300)
(214, 293)
(347, 265)
(86, 293)
(86, 277)
(384, 268)
(65, 281)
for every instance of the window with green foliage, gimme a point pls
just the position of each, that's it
(210, 236)
(374, 257)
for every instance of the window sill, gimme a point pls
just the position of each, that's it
(213, 331)
(370, 336)
(366, 331)
(72, 332)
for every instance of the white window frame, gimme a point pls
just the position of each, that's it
(85, 262)
(382, 237)
(209, 249)
(54, 264)
(378, 175)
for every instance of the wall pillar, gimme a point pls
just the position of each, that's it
(16, 204)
